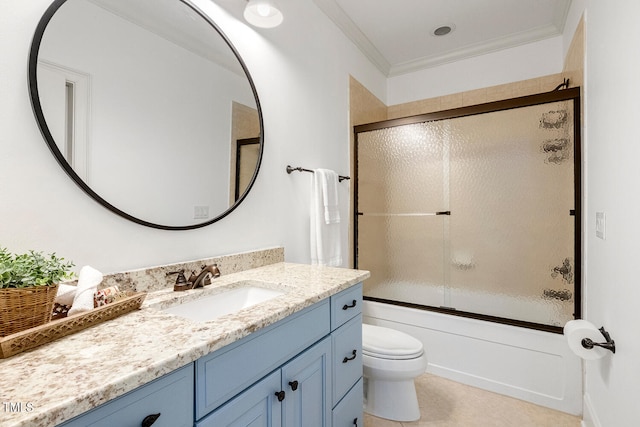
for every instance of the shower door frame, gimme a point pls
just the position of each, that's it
(571, 94)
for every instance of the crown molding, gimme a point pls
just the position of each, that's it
(351, 30)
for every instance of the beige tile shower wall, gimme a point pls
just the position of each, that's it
(574, 61)
(364, 107)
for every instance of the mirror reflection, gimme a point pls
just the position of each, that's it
(145, 102)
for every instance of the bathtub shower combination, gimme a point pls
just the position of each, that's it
(475, 213)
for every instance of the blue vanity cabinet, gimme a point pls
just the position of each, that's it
(295, 395)
(170, 397)
(304, 371)
(227, 372)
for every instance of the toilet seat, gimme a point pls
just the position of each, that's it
(385, 343)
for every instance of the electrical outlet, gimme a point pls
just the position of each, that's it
(200, 212)
(600, 225)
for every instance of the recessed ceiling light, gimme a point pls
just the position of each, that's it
(443, 30)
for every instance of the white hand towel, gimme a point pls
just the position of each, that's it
(329, 180)
(65, 294)
(324, 233)
(88, 282)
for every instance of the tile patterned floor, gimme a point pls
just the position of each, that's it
(445, 403)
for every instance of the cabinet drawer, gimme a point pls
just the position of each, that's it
(347, 357)
(171, 396)
(346, 305)
(348, 413)
(226, 372)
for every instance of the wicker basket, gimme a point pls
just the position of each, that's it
(25, 308)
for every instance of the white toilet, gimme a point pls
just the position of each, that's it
(391, 360)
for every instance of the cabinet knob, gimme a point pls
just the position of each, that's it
(280, 395)
(294, 385)
(149, 420)
(355, 422)
(353, 304)
(346, 359)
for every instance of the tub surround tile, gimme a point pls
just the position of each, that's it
(77, 373)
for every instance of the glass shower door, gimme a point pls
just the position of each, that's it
(401, 225)
(512, 231)
(475, 212)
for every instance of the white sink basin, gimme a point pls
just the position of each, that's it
(213, 306)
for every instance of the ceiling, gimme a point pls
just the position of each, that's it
(397, 35)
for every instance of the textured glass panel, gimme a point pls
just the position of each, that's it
(405, 257)
(400, 169)
(511, 190)
(508, 179)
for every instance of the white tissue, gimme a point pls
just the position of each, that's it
(576, 330)
(65, 294)
(88, 282)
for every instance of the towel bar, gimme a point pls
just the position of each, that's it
(299, 169)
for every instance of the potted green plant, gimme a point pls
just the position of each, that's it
(28, 287)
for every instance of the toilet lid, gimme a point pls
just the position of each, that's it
(386, 343)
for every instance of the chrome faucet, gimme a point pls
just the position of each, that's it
(200, 280)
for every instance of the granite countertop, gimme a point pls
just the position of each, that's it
(74, 374)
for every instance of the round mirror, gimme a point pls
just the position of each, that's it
(148, 107)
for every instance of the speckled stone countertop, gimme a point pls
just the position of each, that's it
(67, 377)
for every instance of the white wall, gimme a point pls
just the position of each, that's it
(301, 71)
(506, 66)
(612, 384)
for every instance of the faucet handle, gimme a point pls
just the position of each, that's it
(215, 271)
(180, 280)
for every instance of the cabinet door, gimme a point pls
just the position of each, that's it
(169, 397)
(306, 381)
(258, 406)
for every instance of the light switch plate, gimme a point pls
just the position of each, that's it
(600, 225)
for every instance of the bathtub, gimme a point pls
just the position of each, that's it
(527, 364)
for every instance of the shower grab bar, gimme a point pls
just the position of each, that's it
(299, 169)
(405, 214)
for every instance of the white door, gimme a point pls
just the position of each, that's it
(64, 97)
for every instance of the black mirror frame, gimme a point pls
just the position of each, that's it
(46, 133)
